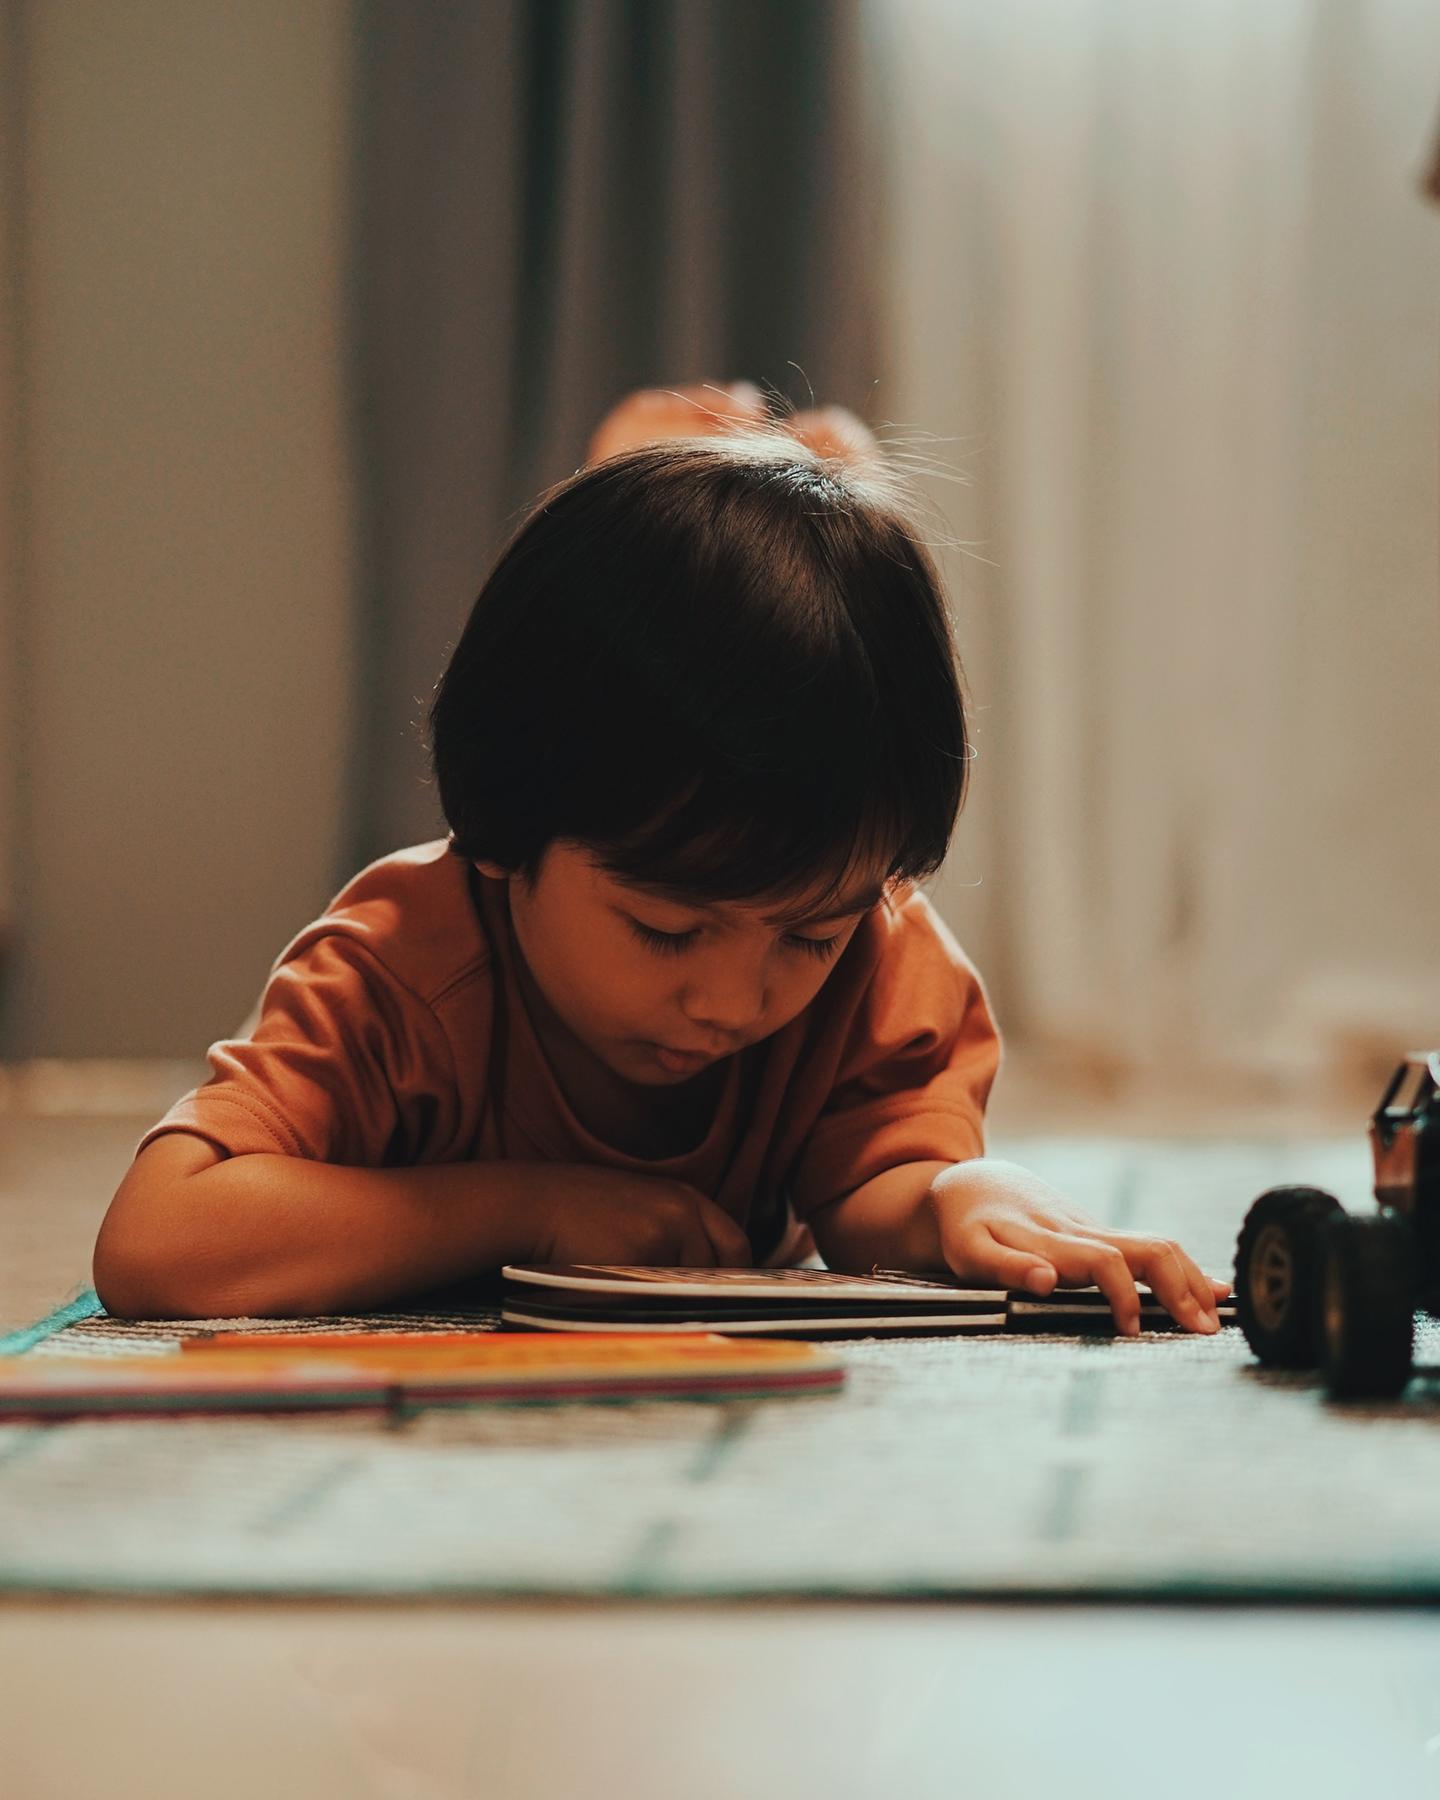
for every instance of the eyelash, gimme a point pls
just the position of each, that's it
(672, 942)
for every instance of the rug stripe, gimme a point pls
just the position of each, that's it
(85, 1305)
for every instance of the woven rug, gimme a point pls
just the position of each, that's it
(1163, 1466)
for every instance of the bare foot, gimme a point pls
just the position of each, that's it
(701, 409)
(833, 431)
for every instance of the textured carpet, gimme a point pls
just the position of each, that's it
(1162, 1466)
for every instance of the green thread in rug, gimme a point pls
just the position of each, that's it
(84, 1305)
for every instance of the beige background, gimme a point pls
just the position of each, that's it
(1170, 309)
(1165, 292)
(176, 539)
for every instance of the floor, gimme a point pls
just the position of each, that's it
(416, 1702)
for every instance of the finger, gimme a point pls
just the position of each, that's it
(1206, 1288)
(1202, 1286)
(691, 1245)
(1173, 1278)
(699, 1252)
(729, 1243)
(983, 1258)
(1079, 1260)
(1110, 1272)
(1199, 1297)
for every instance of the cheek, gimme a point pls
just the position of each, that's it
(575, 961)
(797, 987)
(800, 977)
(620, 979)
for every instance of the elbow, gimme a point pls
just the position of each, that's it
(163, 1251)
(122, 1290)
(133, 1283)
(143, 1291)
(135, 1277)
(118, 1275)
(135, 1288)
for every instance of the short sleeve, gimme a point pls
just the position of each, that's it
(344, 1066)
(921, 1055)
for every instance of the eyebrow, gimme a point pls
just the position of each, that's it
(851, 908)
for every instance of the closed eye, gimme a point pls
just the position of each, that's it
(661, 940)
(672, 942)
(821, 947)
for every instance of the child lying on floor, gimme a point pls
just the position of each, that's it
(667, 992)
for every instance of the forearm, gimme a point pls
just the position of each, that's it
(891, 1222)
(886, 1223)
(282, 1236)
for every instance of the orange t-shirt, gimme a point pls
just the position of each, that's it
(392, 1033)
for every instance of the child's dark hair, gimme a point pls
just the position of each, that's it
(722, 665)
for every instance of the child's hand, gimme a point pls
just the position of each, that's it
(594, 1214)
(1005, 1227)
(703, 409)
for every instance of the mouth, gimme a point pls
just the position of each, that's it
(681, 1062)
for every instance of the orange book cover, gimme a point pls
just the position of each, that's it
(259, 1372)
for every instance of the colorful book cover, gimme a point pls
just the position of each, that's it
(273, 1373)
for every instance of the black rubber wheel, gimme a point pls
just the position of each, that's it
(1277, 1274)
(1368, 1311)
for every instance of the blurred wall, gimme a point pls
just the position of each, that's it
(9, 468)
(1161, 281)
(1164, 282)
(176, 539)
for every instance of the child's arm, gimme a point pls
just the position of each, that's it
(193, 1234)
(994, 1222)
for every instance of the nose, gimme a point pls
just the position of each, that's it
(726, 1001)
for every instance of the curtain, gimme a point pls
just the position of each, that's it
(557, 202)
(1163, 284)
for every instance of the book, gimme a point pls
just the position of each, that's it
(812, 1303)
(395, 1372)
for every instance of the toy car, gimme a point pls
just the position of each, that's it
(1319, 1286)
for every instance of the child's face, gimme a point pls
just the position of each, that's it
(659, 990)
